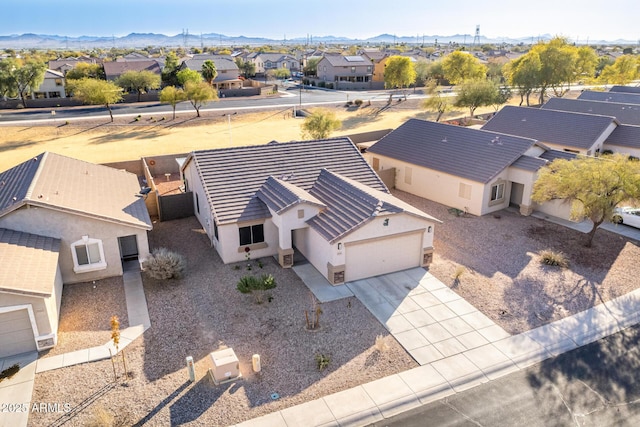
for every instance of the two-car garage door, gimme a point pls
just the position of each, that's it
(16, 333)
(380, 256)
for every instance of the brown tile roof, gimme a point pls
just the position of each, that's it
(29, 263)
(474, 154)
(113, 70)
(550, 126)
(233, 176)
(351, 204)
(75, 186)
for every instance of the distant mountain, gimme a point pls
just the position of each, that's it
(140, 40)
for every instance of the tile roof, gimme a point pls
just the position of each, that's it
(552, 155)
(233, 176)
(550, 126)
(221, 62)
(114, 70)
(624, 113)
(71, 185)
(625, 136)
(346, 61)
(625, 89)
(529, 163)
(351, 205)
(280, 195)
(29, 263)
(474, 154)
(275, 57)
(621, 97)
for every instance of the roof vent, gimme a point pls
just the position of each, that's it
(524, 119)
(444, 139)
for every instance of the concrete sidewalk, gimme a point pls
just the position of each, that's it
(453, 373)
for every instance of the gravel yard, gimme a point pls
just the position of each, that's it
(498, 259)
(203, 312)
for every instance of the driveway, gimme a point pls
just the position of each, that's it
(430, 320)
(15, 392)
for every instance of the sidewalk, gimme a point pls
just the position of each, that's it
(436, 379)
(19, 389)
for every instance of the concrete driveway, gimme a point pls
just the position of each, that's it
(430, 320)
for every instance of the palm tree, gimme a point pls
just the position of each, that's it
(209, 71)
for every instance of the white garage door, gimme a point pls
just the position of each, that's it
(377, 257)
(16, 334)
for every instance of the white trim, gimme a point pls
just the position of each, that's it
(86, 241)
(32, 318)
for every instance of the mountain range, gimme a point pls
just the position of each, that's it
(139, 40)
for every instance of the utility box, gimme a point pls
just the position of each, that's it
(225, 366)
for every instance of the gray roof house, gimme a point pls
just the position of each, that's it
(345, 72)
(472, 170)
(572, 132)
(228, 71)
(113, 70)
(625, 139)
(628, 114)
(625, 89)
(272, 61)
(62, 220)
(319, 198)
(620, 97)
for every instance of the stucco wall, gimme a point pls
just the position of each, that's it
(623, 150)
(70, 228)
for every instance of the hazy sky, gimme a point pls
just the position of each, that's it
(277, 19)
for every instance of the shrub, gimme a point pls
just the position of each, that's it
(322, 361)
(257, 286)
(164, 264)
(457, 274)
(321, 84)
(550, 257)
(358, 102)
(9, 372)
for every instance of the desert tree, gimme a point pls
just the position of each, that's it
(185, 76)
(85, 69)
(96, 92)
(320, 124)
(172, 95)
(139, 81)
(21, 77)
(460, 66)
(436, 101)
(594, 186)
(209, 71)
(399, 72)
(7, 84)
(476, 93)
(247, 68)
(625, 69)
(523, 74)
(199, 94)
(170, 70)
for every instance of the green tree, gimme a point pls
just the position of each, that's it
(459, 66)
(399, 72)
(85, 70)
(436, 101)
(476, 93)
(280, 73)
(523, 74)
(21, 77)
(586, 62)
(172, 95)
(139, 81)
(96, 92)
(8, 87)
(187, 75)
(421, 67)
(311, 67)
(625, 69)
(247, 68)
(502, 96)
(170, 70)
(593, 186)
(320, 124)
(199, 94)
(557, 65)
(209, 71)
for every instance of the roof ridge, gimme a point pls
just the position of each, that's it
(36, 176)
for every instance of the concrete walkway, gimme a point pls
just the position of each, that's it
(19, 389)
(586, 225)
(448, 373)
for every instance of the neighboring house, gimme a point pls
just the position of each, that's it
(625, 139)
(468, 169)
(51, 87)
(228, 72)
(272, 61)
(620, 97)
(320, 198)
(62, 220)
(628, 114)
(66, 64)
(345, 72)
(113, 70)
(626, 89)
(378, 59)
(572, 132)
(133, 56)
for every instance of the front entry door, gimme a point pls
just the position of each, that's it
(128, 247)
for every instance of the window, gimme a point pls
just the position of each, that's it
(58, 82)
(353, 69)
(408, 172)
(300, 213)
(251, 234)
(497, 192)
(464, 191)
(376, 164)
(215, 230)
(197, 203)
(368, 68)
(88, 255)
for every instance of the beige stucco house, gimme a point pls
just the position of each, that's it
(472, 170)
(53, 86)
(65, 221)
(317, 197)
(345, 72)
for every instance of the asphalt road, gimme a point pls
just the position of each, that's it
(594, 385)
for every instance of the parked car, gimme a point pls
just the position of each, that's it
(628, 216)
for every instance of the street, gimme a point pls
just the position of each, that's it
(594, 385)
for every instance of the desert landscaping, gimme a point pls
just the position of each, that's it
(493, 262)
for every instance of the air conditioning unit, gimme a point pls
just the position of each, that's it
(226, 367)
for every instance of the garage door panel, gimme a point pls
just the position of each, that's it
(16, 333)
(373, 258)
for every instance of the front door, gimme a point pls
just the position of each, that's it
(128, 247)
